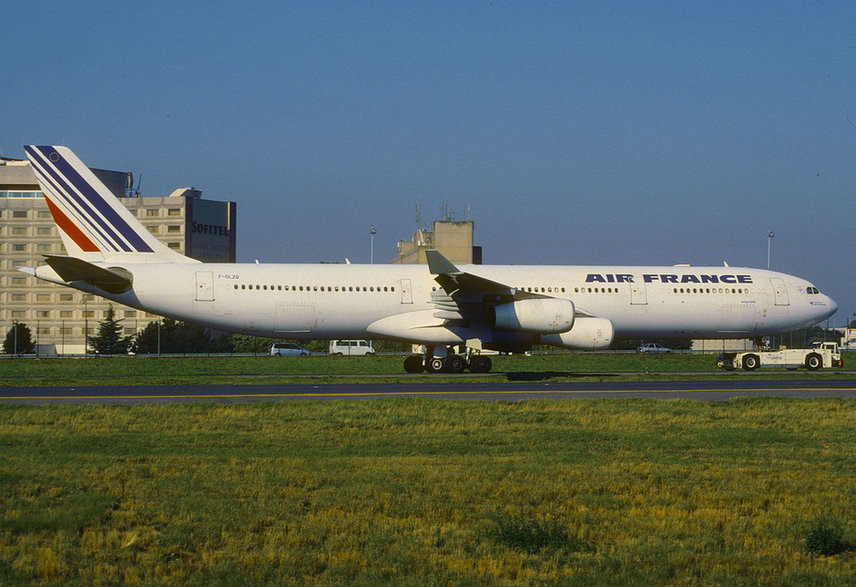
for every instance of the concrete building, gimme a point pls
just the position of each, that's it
(454, 239)
(61, 318)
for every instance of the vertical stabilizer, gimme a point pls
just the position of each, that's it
(93, 223)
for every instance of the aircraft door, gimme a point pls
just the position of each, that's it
(780, 291)
(638, 294)
(406, 292)
(204, 286)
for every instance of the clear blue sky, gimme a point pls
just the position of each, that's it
(576, 133)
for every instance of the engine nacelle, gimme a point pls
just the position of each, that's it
(588, 334)
(539, 316)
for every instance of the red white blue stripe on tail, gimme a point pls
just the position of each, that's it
(90, 217)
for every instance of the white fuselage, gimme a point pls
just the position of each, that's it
(304, 301)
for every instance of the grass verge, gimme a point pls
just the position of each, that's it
(238, 370)
(427, 492)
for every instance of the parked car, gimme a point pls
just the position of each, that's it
(288, 349)
(652, 347)
(351, 347)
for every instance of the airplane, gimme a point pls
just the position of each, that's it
(456, 312)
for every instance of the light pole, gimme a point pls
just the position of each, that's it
(372, 231)
(770, 236)
(85, 328)
(15, 336)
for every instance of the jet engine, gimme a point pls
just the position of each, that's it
(587, 334)
(539, 315)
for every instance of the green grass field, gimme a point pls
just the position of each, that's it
(238, 370)
(417, 492)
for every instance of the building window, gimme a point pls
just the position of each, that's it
(19, 214)
(18, 314)
(66, 314)
(18, 297)
(173, 228)
(173, 211)
(43, 330)
(153, 212)
(154, 229)
(43, 297)
(44, 215)
(174, 245)
(130, 313)
(66, 297)
(19, 231)
(19, 247)
(43, 247)
(44, 231)
(43, 314)
(89, 313)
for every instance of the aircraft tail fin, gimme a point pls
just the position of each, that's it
(93, 223)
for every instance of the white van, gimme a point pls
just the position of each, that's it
(351, 347)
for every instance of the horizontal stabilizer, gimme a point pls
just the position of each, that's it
(114, 279)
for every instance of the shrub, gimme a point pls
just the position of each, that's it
(533, 535)
(825, 537)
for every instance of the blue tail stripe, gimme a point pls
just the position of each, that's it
(95, 232)
(111, 221)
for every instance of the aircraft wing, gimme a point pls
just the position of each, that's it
(458, 283)
(464, 296)
(467, 296)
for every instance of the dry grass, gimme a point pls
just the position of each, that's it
(426, 491)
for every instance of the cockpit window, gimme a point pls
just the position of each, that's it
(811, 290)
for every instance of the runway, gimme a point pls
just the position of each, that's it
(694, 390)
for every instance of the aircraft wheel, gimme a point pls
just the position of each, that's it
(750, 362)
(480, 364)
(434, 365)
(414, 364)
(813, 362)
(455, 364)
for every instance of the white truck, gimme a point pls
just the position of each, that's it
(821, 354)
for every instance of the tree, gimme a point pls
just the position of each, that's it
(178, 337)
(19, 340)
(109, 340)
(246, 343)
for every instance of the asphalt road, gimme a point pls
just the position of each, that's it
(696, 390)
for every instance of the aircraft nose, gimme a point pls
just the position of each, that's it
(833, 307)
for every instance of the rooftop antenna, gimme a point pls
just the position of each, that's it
(137, 190)
(418, 216)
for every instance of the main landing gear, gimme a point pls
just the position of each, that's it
(451, 363)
